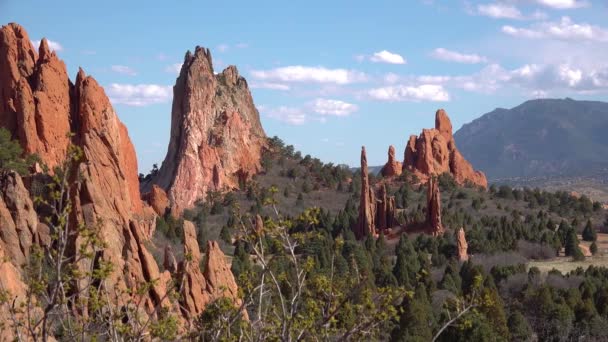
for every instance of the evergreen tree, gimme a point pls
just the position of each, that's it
(407, 265)
(519, 327)
(589, 233)
(417, 321)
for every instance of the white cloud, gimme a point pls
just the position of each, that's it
(333, 107)
(565, 29)
(298, 73)
(53, 45)
(290, 115)
(174, 68)
(269, 85)
(500, 11)
(563, 4)
(223, 47)
(424, 92)
(387, 57)
(123, 69)
(139, 94)
(433, 79)
(391, 78)
(453, 56)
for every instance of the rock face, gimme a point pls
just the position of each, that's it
(34, 95)
(18, 220)
(40, 107)
(367, 205)
(200, 289)
(157, 199)
(216, 135)
(434, 152)
(385, 210)
(392, 167)
(433, 209)
(376, 208)
(462, 246)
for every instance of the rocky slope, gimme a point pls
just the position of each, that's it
(40, 106)
(546, 137)
(216, 135)
(434, 152)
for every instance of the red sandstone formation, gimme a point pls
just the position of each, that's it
(392, 167)
(157, 199)
(434, 152)
(34, 95)
(367, 206)
(385, 210)
(433, 209)
(462, 246)
(40, 107)
(199, 289)
(216, 135)
(376, 209)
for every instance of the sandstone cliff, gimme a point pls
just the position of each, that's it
(216, 135)
(46, 113)
(434, 152)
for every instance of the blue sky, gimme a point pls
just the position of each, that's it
(330, 76)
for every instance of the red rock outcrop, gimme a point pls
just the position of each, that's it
(433, 209)
(367, 205)
(461, 245)
(434, 152)
(18, 220)
(157, 199)
(40, 107)
(216, 135)
(34, 95)
(199, 289)
(392, 167)
(385, 210)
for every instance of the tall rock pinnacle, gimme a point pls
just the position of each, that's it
(434, 152)
(433, 209)
(216, 135)
(367, 206)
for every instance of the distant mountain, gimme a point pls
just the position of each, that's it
(539, 138)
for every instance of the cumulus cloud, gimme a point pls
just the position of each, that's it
(289, 115)
(565, 29)
(123, 69)
(424, 92)
(139, 94)
(53, 45)
(453, 56)
(387, 57)
(333, 107)
(299, 73)
(499, 11)
(563, 4)
(270, 85)
(174, 68)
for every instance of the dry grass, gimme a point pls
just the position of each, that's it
(565, 265)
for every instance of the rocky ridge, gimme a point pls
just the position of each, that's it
(216, 137)
(47, 114)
